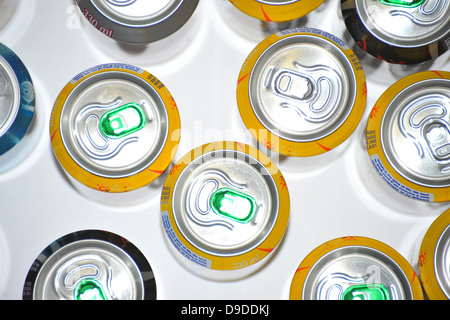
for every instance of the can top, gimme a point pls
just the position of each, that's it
(434, 260)
(415, 132)
(225, 202)
(405, 23)
(139, 21)
(9, 96)
(306, 87)
(355, 268)
(89, 269)
(115, 127)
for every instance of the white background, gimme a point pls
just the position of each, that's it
(338, 194)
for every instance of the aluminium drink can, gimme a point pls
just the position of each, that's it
(258, 19)
(355, 268)
(114, 128)
(408, 136)
(143, 31)
(137, 21)
(90, 265)
(434, 259)
(225, 208)
(399, 31)
(17, 102)
(301, 92)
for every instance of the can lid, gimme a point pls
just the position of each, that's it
(276, 10)
(434, 258)
(355, 268)
(305, 87)
(115, 127)
(16, 99)
(138, 21)
(227, 204)
(411, 121)
(90, 265)
(403, 23)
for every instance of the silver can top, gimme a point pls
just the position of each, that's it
(138, 21)
(302, 88)
(89, 269)
(442, 261)
(225, 202)
(405, 23)
(9, 96)
(114, 124)
(415, 132)
(356, 272)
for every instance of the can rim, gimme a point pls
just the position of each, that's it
(232, 262)
(427, 257)
(283, 12)
(24, 100)
(374, 124)
(303, 270)
(148, 173)
(291, 147)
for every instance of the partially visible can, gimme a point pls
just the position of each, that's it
(114, 128)
(408, 136)
(434, 259)
(90, 265)
(276, 10)
(301, 92)
(17, 100)
(137, 21)
(355, 268)
(398, 31)
(225, 208)
(257, 19)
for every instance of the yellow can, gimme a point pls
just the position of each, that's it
(355, 268)
(301, 92)
(225, 208)
(276, 10)
(114, 128)
(434, 263)
(408, 136)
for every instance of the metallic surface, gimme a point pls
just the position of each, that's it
(442, 261)
(205, 229)
(399, 32)
(137, 21)
(345, 267)
(92, 259)
(302, 88)
(406, 26)
(17, 99)
(415, 132)
(103, 156)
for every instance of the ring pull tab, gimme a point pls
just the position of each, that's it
(89, 289)
(122, 121)
(373, 291)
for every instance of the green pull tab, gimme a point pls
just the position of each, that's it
(403, 3)
(373, 291)
(233, 204)
(89, 289)
(122, 121)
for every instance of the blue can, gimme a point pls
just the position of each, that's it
(17, 99)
